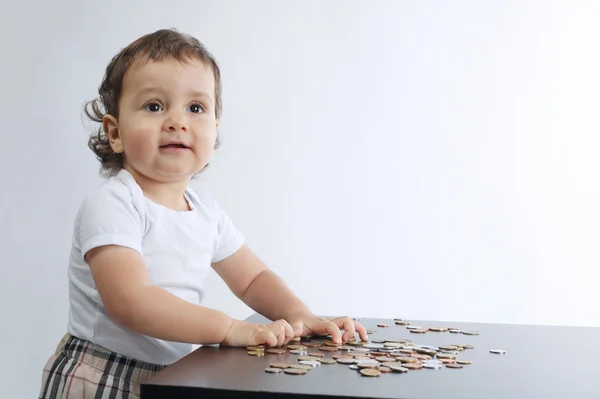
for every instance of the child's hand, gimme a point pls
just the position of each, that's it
(312, 324)
(274, 334)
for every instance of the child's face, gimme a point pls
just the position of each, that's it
(164, 104)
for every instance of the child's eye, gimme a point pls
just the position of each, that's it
(196, 108)
(153, 107)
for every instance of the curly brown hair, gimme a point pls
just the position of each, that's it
(156, 46)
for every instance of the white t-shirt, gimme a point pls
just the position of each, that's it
(178, 248)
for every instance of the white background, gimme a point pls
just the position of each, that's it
(430, 160)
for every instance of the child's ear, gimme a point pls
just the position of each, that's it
(111, 129)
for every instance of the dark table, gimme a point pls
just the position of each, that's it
(541, 362)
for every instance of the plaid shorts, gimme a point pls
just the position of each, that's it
(80, 369)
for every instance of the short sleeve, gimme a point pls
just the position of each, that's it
(229, 238)
(107, 216)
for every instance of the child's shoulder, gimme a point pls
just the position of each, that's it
(116, 191)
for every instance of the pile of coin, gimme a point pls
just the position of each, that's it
(369, 358)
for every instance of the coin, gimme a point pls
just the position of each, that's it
(297, 352)
(378, 341)
(463, 361)
(367, 365)
(307, 358)
(312, 344)
(256, 353)
(420, 357)
(454, 366)
(280, 365)
(383, 325)
(448, 348)
(256, 348)
(353, 367)
(402, 323)
(342, 357)
(371, 331)
(384, 369)
(299, 366)
(327, 361)
(346, 361)
(469, 347)
(398, 368)
(370, 372)
(273, 370)
(412, 366)
(470, 333)
(384, 359)
(328, 348)
(453, 331)
(438, 329)
(434, 366)
(418, 331)
(414, 327)
(498, 351)
(445, 356)
(276, 351)
(316, 354)
(311, 363)
(407, 360)
(297, 347)
(295, 371)
(347, 348)
(330, 343)
(447, 361)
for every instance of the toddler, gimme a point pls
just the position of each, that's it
(143, 240)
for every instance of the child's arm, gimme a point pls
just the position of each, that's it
(257, 286)
(131, 300)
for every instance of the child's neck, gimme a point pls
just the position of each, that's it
(167, 194)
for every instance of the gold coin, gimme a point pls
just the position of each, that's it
(307, 358)
(327, 361)
(388, 364)
(342, 357)
(448, 348)
(256, 353)
(438, 329)
(384, 359)
(280, 365)
(402, 323)
(256, 348)
(273, 370)
(296, 339)
(328, 348)
(384, 369)
(447, 361)
(412, 366)
(330, 343)
(370, 372)
(345, 360)
(297, 347)
(383, 325)
(367, 365)
(295, 371)
(407, 360)
(418, 331)
(311, 344)
(454, 366)
(276, 351)
(371, 331)
(316, 354)
(396, 341)
(463, 361)
(420, 357)
(445, 356)
(300, 366)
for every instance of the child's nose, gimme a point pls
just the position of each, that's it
(176, 123)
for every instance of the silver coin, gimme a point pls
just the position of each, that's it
(273, 370)
(449, 352)
(373, 346)
(353, 367)
(434, 366)
(361, 350)
(312, 363)
(297, 352)
(498, 351)
(414, 327)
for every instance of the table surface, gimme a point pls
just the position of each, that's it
(541, 362)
